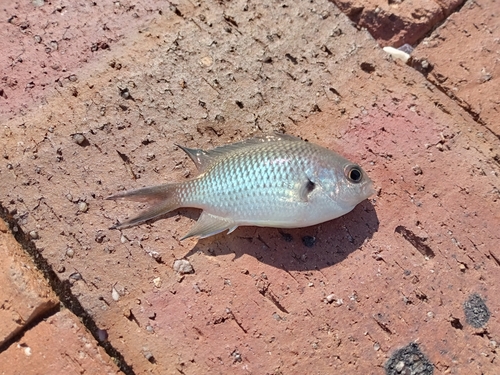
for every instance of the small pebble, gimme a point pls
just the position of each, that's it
(75, 276)
(237, 356)
(83, 207)
(124, 93)
(102, 335)
(115, 295)
(78, 138)
(34, 235)
(183, 266)
(330, 298)
(400, 366)
(417, 170)
(127, 313)
(157, 282)
(61, 269)
(155, 255)
(54, 46)
(27, 351)
(149, 356)
(70, 252)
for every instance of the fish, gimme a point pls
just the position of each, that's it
(276, 180)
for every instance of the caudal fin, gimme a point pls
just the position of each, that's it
(163, 199)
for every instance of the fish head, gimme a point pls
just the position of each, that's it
(346, 183)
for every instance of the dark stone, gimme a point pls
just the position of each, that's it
(409, 360)
(476, 311)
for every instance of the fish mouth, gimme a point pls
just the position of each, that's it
(369, 190)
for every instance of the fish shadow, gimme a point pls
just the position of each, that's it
(301, 249)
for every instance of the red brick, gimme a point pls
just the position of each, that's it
(394, 23)
(58, 345)
(463, 60)
(24, 294)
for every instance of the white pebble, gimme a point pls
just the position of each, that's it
(78, 138)
(183, 266)
(400, 366)
(157, 282)
(83, 207)
(115, 295)
(26, 350)
(330, 298)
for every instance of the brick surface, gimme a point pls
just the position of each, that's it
(396, 22)
(59, 345)
(414, 267)
(47, 44)
(24, 293)
(463, 60)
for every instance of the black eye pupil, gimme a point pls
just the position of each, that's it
(355, 175)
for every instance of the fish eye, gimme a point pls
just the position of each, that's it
(353, 173)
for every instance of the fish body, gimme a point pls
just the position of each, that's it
(272, 181)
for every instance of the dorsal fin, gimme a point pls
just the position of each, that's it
(199, 157)
(204, 159)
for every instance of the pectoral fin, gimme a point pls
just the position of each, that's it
(208, 225)
(305, 189)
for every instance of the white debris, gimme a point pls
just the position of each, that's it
(397, 54)
(115, 295)
(26, 349)
(157, 282)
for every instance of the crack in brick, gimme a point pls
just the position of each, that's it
(63, 292)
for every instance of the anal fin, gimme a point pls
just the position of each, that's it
(208, 225)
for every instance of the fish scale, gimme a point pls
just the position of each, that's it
(277, 181)
(252, 190)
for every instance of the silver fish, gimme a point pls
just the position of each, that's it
(271, 181)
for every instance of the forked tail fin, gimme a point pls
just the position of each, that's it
(162, 198)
